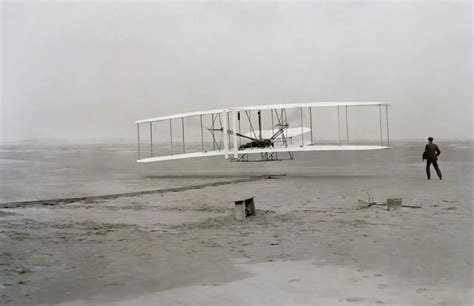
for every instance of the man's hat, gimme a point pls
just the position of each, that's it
(430, 138)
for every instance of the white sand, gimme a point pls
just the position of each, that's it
(310, 243)
(306, 283)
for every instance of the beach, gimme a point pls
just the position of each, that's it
(311, 242)
(133, 133)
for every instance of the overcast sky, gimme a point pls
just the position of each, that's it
(90, 69)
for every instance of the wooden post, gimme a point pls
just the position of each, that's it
(239, 210)
(250, 207)
(245, 208)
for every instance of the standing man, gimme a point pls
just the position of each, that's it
(431, 155)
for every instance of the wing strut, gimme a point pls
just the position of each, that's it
(234, 127)
(226, 138)
(212, 133)
(386, 118)
(238, 118)
(302, 133)
(182, 126)
(259, 113)
(151, 140)
(338, 126)
(311, 124)
(347, 127)
(250, 124)
(380, 124)
(171, 136)
(202, 135)
(272, 119)
(138, 131)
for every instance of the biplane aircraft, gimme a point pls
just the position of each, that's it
(237, 133)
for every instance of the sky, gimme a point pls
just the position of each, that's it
(88, 70)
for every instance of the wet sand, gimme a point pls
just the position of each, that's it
(311, 242)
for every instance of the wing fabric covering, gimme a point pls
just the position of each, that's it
(223, 129)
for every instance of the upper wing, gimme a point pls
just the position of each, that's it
(309, 104)
(262, 107)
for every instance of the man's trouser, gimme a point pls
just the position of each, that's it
(435, 165)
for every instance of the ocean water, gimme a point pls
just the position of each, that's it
(33, 171)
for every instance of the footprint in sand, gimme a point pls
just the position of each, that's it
(115, 284)
(355, 299)
(294, 280)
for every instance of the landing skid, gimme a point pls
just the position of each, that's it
(263, 157)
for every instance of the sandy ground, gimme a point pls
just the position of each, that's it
(310, 243)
